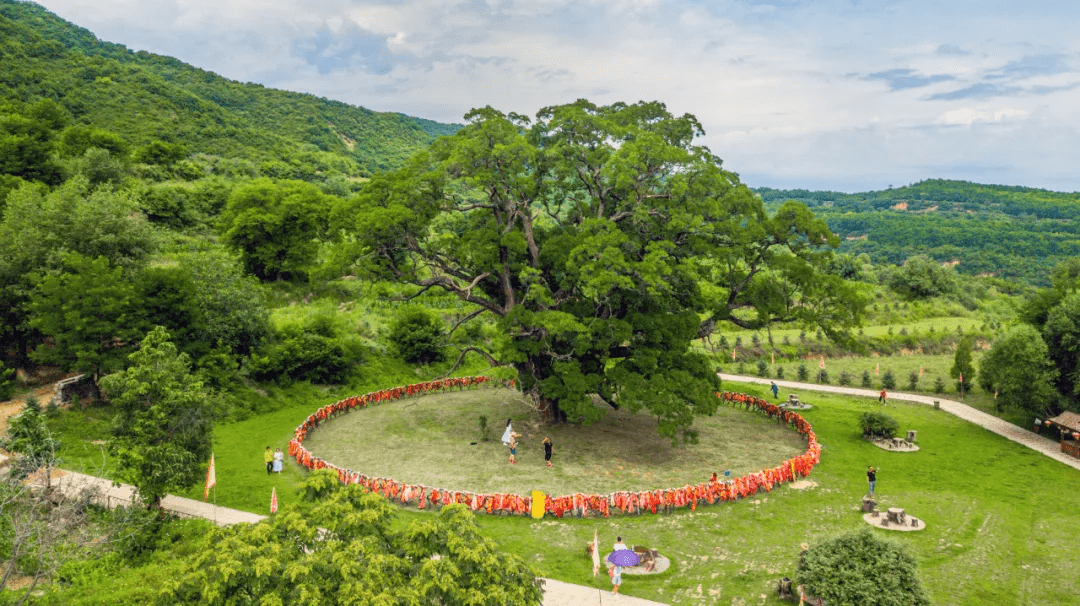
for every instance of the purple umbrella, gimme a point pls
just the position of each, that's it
(623, 557)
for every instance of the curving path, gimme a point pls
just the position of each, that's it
(556, 593)
(1019, 435)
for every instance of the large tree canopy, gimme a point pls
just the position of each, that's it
(604, 242)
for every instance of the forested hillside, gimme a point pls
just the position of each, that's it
(146, 98)
(1008, 232)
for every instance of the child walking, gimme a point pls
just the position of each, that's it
(513, 450)
(548, 448)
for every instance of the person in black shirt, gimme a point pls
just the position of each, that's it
(547, 450)
(871, 476)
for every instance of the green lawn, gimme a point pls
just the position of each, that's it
(1000, 517)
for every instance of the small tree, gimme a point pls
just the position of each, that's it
(803, 373)
(762, 368)
(861, 569)
(962, 364)
(845, 378)
(878, 425)
(417, 336)
(823, 376)
(888, 380)
(779, 372)
(163, 428)
(939, 385)
(913, 381)
(1018, 366)
(866, 381)
(29, 436)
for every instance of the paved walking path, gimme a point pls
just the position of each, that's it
(1020, 435)
(556, 593)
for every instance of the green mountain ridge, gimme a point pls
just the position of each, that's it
(146, 97)
(1004, 231)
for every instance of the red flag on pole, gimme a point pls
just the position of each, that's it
(732, 355)
(961, 377)
(211, 478)
(273, 500)
(822, 363)
(876, 368)
(920, 371)
(773, 356)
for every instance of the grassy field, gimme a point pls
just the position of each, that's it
(1000, 517)
(435, 441)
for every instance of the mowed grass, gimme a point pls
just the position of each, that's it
(435, 441)
(1000, 519)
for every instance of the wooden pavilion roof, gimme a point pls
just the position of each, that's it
(1067, 419)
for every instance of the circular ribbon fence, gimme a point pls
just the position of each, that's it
(709, 492)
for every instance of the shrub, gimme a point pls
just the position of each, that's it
(310, 344)
(787, 340)
(866, 381)
(823, 376)
(755, 339)
(913, 381)
(878, 424)
(417, 336)
(779, 372)
(802, 372)
(888, 380)
(861, 569)
(7, 382)
(485, 431)
(762, 368)
(939, 385)
(845, 379)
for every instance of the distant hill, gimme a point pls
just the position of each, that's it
(1009, 232)
(146, 97)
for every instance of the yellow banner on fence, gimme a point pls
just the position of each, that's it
(539, 504)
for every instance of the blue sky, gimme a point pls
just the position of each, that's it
(848, 95)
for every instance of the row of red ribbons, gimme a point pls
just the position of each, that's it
(652, 501)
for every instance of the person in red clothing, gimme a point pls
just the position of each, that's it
(883, 398)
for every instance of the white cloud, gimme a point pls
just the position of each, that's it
(780, 86)
(968, 116)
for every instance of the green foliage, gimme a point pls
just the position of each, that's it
(232, 305)
(888, 380)
(417, 336)
(485, 431)
(762, 368)
(913, 380)
(1017, 233)
(866, 380)
(823, 376)
(314, 347)
(1062, 335)
(802, 373)
(141, 96)
(845, 379)
(274, 226)
(878, 424)
(939, 385)
(362, 557)
(86, 314)
(861, 569)
(779, 372)
(163, 429)
(1019, 369)
(921, 277)
(963, 365)
(8, 382)
(28, 139)
(598, 284)
(29, 436)
(318, 485)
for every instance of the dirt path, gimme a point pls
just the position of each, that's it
(1019, 435)
(12, 408)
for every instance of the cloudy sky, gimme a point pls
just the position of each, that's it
(848, 95)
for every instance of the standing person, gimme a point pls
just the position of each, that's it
(616, 579)
(883, 398)
(508, 433)
(871, 477)
(548, 448)
(268, 459)
(279, 458)
(775, 391)
(513, 450)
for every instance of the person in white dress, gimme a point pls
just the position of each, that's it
(279, 458)
(508, 434)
